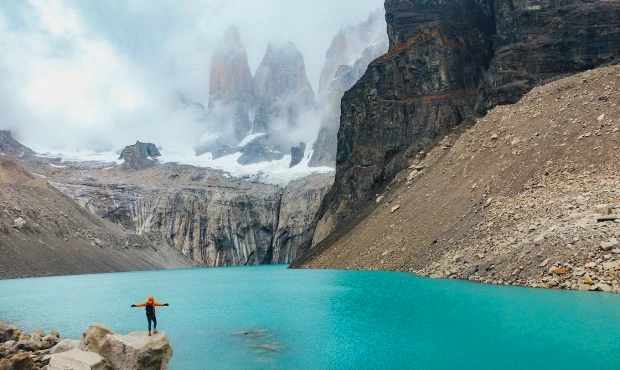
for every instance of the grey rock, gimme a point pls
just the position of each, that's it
(297, 154)
(139, 156)
(93, 337)
(137, 351)
(609, 245)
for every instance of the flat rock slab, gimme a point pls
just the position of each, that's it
(77, 359)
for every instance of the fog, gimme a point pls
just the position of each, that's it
(100, 75)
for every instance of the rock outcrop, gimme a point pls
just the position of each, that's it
(139, 156)
(346, 60)
(231, 88)
(297, 154)
(448, 61)
(11, 147)
(43, 232)
(100, 349)
(137, 351)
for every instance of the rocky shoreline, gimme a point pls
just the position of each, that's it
(99, 349)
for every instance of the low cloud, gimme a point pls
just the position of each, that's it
(94, 74)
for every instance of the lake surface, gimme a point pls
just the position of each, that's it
(324, 319)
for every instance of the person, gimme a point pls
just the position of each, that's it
(150, 305)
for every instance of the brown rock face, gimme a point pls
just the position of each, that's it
(283, 91)
(231, 86)
(449, 60)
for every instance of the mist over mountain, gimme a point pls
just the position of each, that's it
(97, 76)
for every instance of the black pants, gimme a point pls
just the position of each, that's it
(150, 318)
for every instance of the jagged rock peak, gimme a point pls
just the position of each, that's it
(230, 79)
(11, 147)
(282, 87)
(282, 72)
(231, 87)
(349, 44)
(346, 60)
(139, 156)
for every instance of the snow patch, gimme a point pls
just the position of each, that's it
(248, 139)
(274, 172)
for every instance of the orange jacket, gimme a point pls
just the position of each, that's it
(143, 304)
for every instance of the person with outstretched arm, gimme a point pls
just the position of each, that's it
(150, 312)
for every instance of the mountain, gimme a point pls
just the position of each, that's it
(529, 195)
(43, 232)
(447, 62)
(231, 88)
(346, 60)
(256, 116)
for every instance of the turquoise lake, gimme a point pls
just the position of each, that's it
(325, 319)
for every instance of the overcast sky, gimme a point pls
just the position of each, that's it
(104, 73)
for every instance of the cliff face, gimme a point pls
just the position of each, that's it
(210, 219)
(272, 103)
(447, 61)
(538, 41)
(346, 60)
(295, 220)
(425, 85)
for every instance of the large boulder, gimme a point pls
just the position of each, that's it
(8, 332)
(137, 351)
(94, 337)
(139, 156)
(21, 361)
(76, 359)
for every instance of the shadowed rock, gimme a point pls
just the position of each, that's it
(297, 154)
(11, 147)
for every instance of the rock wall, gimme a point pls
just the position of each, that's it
(447, 62)
(300, 200)
(218, 223)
